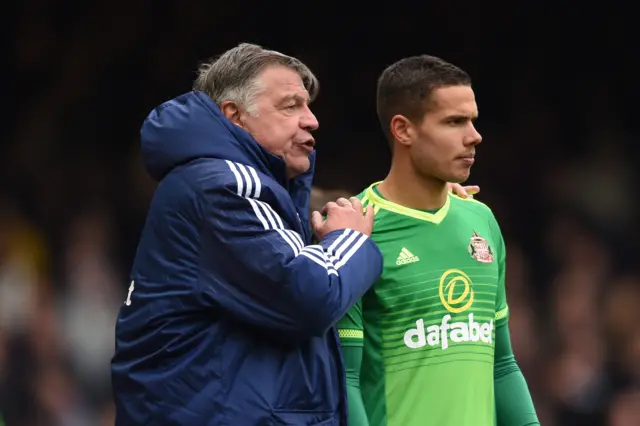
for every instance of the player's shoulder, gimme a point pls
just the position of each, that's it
(476, 208)
(472, 205)
(362, 196)
(368, 197)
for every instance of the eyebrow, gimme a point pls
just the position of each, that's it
(462, 116)
(294, 97)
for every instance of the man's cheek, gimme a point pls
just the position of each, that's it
(288, 145)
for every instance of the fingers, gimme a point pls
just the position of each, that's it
(369, 214)
(464, 191)
(367, 227)
(330, 205)
(343, 202)
(316, 221)
(472, 189)
(458, 190)
(356, 204)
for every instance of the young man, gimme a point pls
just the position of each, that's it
(429, 343)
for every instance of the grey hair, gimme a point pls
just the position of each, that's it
(233, 76)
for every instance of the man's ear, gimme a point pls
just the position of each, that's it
(402, 129)
(232, 112)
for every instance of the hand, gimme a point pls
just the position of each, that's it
(340, 215)
(463, 191)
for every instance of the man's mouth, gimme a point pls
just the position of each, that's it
(467, 158)
(308, 145)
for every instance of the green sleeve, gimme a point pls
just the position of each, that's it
(351, 334)
(350, 327)
(357, 415)
(514, 406)
(502, 309)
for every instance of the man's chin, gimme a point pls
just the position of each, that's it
(462, 175)
(459, 178)
(297, 166)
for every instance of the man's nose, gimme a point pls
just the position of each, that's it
(474, 137)
(308, 121)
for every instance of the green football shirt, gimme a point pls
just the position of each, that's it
(427, 327)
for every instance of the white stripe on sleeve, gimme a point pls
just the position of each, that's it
(239, 181)
(258, 187)
(331, 259)
(248, 179)
(249, 187)
(354, 248)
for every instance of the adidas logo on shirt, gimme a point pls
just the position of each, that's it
(405, 257)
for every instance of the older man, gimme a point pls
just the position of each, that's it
(230, 314)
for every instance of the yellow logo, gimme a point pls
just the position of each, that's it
(450, 281)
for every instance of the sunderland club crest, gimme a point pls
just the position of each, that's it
(479, 249)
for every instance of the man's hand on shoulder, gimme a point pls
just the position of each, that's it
(463, 191)
(342, 214)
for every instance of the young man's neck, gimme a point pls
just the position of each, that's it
(405, 187)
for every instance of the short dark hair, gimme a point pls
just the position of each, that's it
(405, 87)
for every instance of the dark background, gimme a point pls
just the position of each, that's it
(556, 85)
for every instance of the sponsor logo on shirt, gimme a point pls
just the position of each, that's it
(457, 296)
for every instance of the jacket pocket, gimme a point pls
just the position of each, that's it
(304, 418)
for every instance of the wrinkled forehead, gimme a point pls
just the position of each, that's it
(281, 82)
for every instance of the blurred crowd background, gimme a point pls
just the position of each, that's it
(558, 98)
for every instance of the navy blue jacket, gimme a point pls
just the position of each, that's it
(231, 309)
